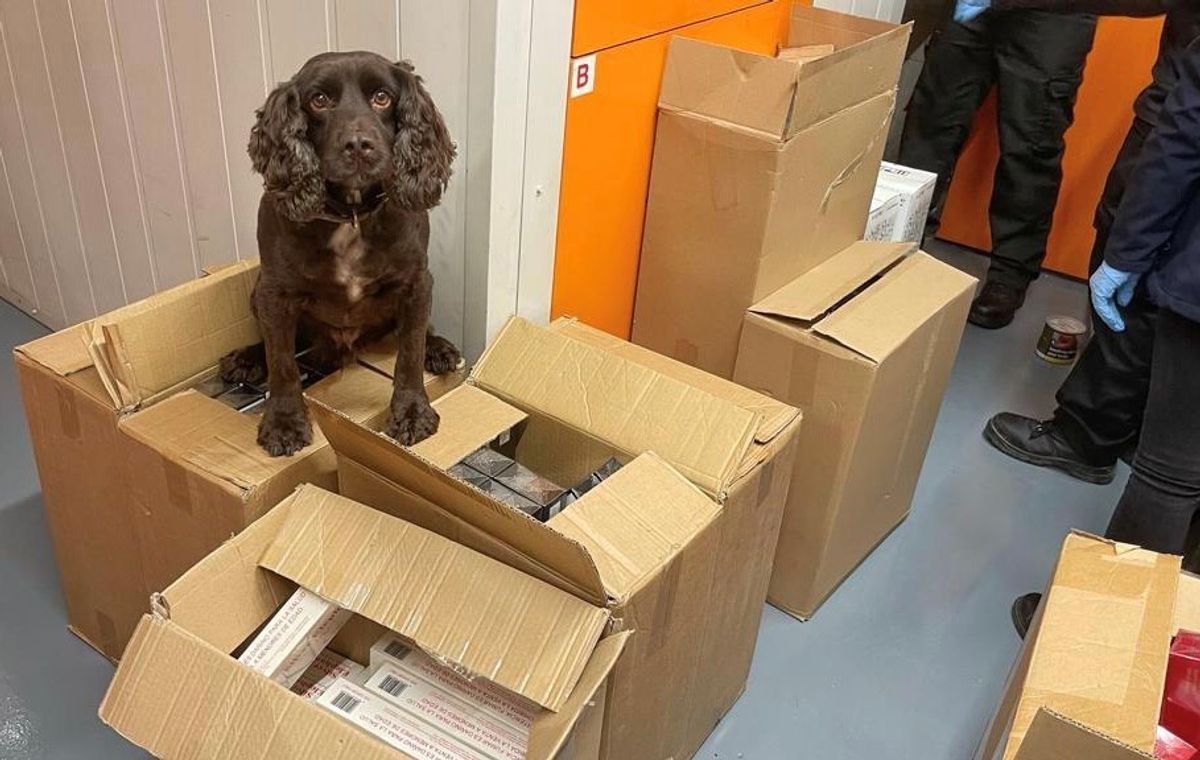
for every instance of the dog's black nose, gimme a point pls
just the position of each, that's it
(359, 145)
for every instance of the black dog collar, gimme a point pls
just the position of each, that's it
(346, 213)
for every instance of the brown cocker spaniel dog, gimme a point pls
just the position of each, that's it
(353, 154)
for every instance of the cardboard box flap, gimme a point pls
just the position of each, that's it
(564, 561)
(773, 416)
(629, 541)
(1101, 649)
(208, 436)
(62, 352)
(814, 294)
(866, 62)
(470, 419)
(174, 695)
(467, 610)
(1056, 737)
(551, 730)
(175, 335)
(734, 86)
(877, 321)
(623, 403)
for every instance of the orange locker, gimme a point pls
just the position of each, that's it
(1117, 70)
(610, 136)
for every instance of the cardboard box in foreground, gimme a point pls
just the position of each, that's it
(141, 476)
(1090, 678)
(179, 693)
(763, 168)
(864, 345)
(677, 543)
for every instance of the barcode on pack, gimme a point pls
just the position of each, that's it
(346, 702)
(397, 650)
(393, 685)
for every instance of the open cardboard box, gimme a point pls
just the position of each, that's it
(179, 693)
(864, 344)
(677, 544)
(143, 476)
(1090, 678)
(763, 168)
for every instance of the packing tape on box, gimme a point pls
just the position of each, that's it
(852, 168)
(179, 492)
(68, 414)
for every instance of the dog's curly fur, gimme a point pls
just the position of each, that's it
(353, 154)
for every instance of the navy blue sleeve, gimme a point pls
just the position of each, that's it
(1165, 179)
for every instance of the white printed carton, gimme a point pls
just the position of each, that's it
(394, 726)
(462, 721)
(291, 641)
(500, 703)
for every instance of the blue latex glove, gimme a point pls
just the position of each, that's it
(1112, 288)
(969, 10)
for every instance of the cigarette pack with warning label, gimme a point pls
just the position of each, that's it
(454, 716)
(393, 725)
(500, 703)
(327, 668)
(294, 637)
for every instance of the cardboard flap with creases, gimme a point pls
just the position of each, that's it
(456, 604)
(773, 416)
(1100, 653)
(63, 352)
(563, 559)
(169, 338)
(812, 295)
(1056, 737)
(635, 521)
(878, 321)
(175, 695)
(470, 419)
(866, 62)
(746, 89)
(621, 402)
(551, 730)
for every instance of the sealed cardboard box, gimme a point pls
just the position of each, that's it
(178, 692)
(1090, 678)
(763, 168)
(864, 345)
(676, 542)
(142, 472)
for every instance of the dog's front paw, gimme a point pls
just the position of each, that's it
(411, 419)
(441, 356)
(284, 428)
(245, 365)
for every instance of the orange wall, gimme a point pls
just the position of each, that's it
(609, 142)
(1117, 70)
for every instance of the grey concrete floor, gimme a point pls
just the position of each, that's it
(907, 660)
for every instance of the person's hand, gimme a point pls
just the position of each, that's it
(969, 10)
(1112, 288)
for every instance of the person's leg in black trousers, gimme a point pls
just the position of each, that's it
(1100, 404)
(1163, 493)
(958, 73)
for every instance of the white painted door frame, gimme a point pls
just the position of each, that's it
(515, 141)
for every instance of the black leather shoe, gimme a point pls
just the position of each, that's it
(996, 305)
(1023, 610)
(1042, 444)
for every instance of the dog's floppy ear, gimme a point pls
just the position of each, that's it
(423, 150)
(280, 151)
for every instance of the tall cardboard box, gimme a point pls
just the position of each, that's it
(1090, 678)
(864, 345)
(763, 168)
(143, 476)
(179, 694)
(677, 544)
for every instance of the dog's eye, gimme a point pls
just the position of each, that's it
(381, 99)
(320, 102)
